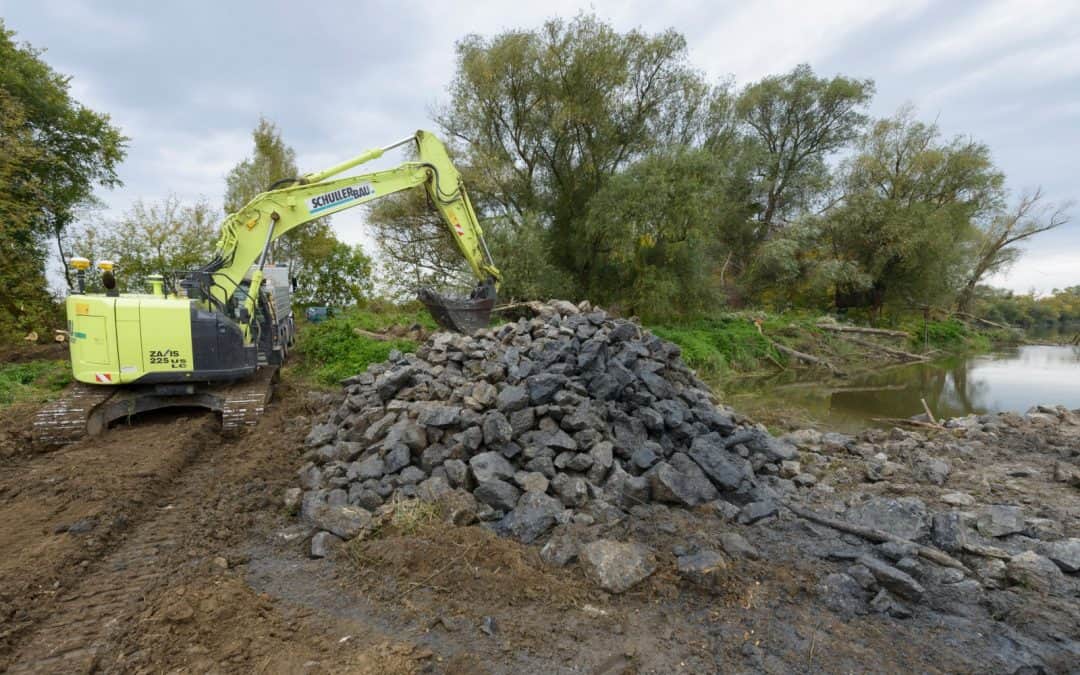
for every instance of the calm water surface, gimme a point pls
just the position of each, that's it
(1014, 380)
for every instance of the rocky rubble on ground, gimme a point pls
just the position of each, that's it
(571, 416)
(584, 434)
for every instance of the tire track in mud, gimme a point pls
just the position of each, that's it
(79, 621)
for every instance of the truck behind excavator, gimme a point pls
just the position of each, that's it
(217, 340)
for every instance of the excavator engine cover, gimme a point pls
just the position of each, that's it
(463, 315)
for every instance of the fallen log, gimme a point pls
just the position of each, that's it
(901, 421)
(796, 354)
(878, 536)
(838, 328)
(898, 353)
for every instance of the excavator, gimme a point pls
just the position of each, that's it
(218, 338)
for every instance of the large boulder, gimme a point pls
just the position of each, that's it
(905, 517)
(617, 566)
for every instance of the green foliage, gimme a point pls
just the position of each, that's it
(32, 381)
(798, 120)
(332, 351)
(950, 335)
(713, 346)
(167, 238)
(549, 115)
(76, 149)
(1061, 306)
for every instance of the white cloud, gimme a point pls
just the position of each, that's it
(1041, 273)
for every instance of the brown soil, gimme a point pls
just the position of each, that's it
(191, 565)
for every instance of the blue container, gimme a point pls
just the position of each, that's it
(316, 314)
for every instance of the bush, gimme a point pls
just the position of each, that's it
(712, 346)
(332, 351)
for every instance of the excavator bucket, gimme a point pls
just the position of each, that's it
(463, 315)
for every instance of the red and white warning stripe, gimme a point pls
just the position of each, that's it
(103, 377)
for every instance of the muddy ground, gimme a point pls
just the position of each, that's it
(162, 547)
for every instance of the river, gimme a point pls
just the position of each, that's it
(1011, 379)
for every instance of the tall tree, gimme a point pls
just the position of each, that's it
(77, 149)
(798, 120)
(911, 201)
(25, 304)
(996, 246)
(307, 248)
(545, 117)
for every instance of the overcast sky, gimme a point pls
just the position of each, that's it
(188, 80)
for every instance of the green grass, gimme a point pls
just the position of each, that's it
(950, 335)
(717, 345)
(331, 351)
(34, 381)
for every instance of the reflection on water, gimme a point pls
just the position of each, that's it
(1012, 380)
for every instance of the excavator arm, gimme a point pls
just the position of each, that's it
(246, 235)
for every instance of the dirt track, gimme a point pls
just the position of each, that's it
(161, 547)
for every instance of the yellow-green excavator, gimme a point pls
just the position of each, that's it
(218, 339)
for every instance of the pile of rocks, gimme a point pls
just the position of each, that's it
(570, 416)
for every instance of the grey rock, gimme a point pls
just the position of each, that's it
(408, 433)
(934, 471)
(531, 481)
(533, 516)
(643, 457)
(372, 467)
(727, 470)
(321, 434)
(949, 533)
(905, 517)
(617, 566)
(705, 568)
(439, 416)
(725, 509)
(958, 499)
(512, 398)
(561, 549)
(842, 594)
(885, 603)
(668, 484)
(497, 429)
(542, 465)
(390, 382)
(893, 579)
(433, 489)
(457, 472)
(1031, 570)
(311, 477)
(862, 574)
(573, 461)
(396, 459)
(756, 511)
(625, 490)
(1065, 553)
(522, 420)
(573, 491)
(323, 544)
(337, 497)
(292, 499)
(343, 521)
(489, 466)
(1000, 520)
(410, 475)
(543, 387)
(735, 544)
(497, 494)
(366, 499)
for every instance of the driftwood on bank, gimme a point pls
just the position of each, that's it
(879, 536)
(985, 322)
(905, 421)
(891, 351)
(796, 354)
(837, 328)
